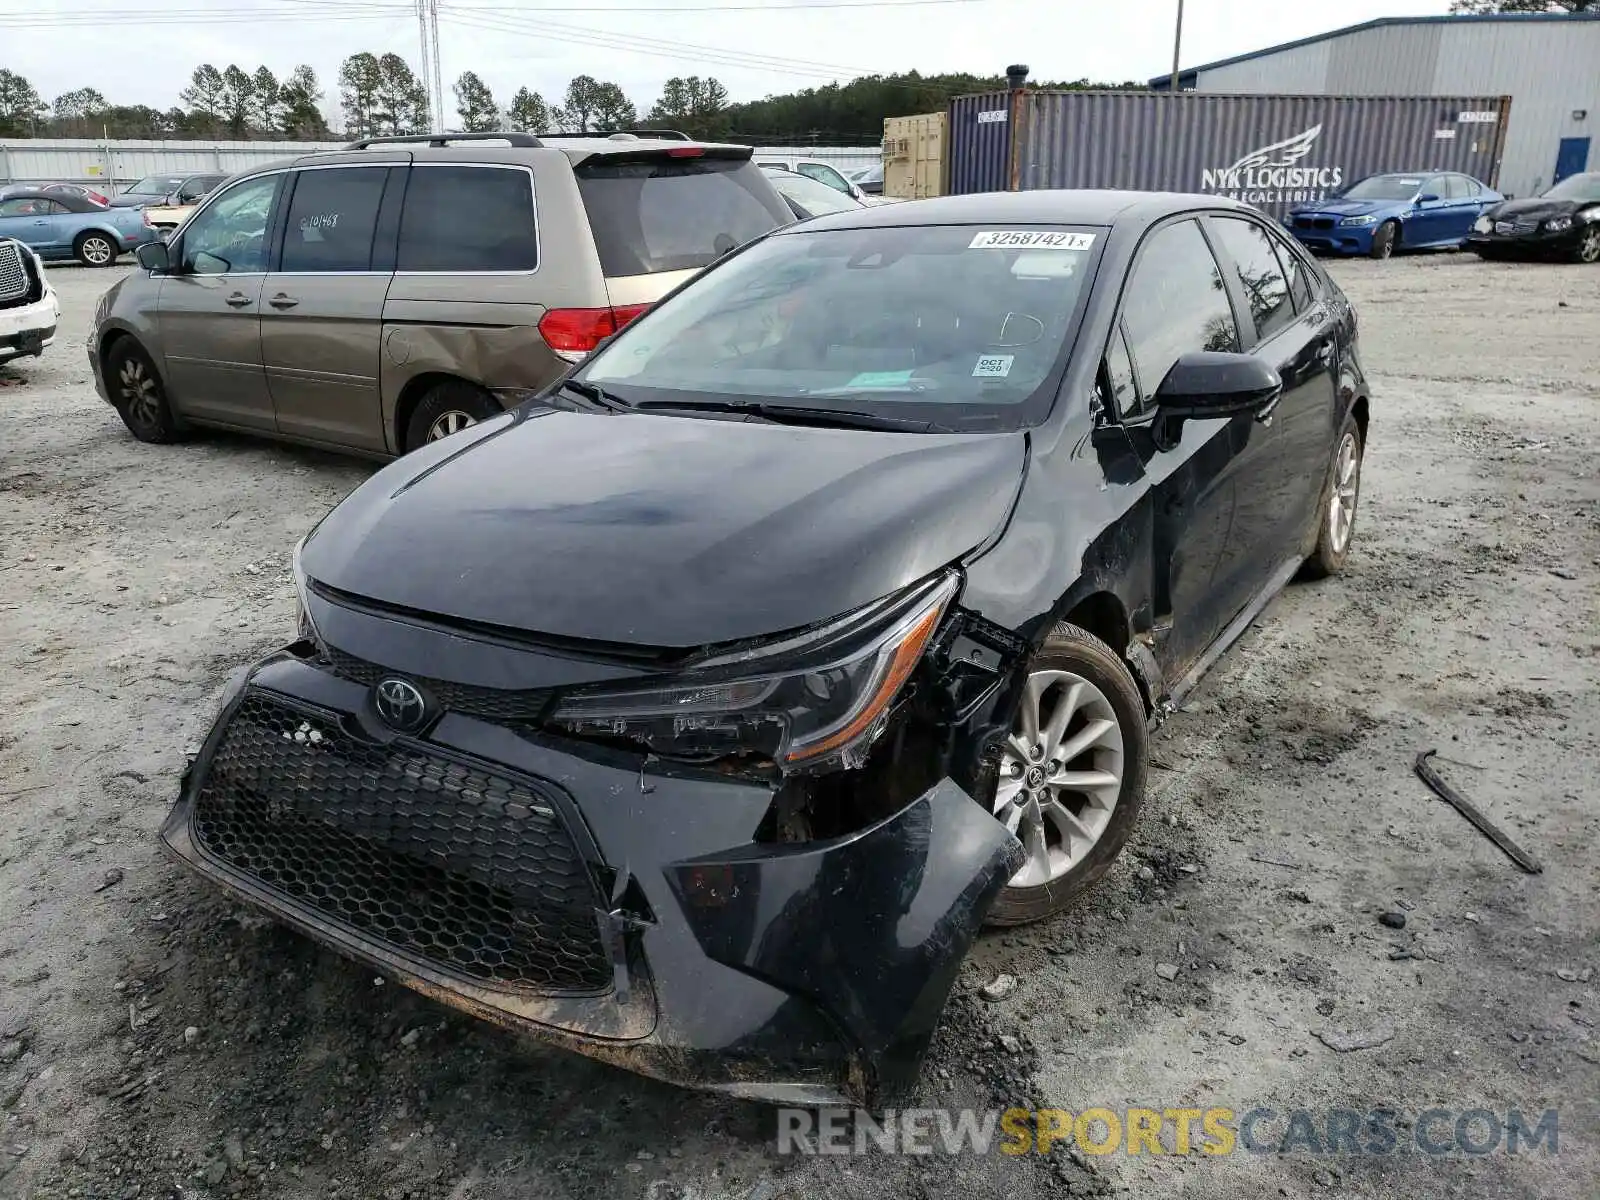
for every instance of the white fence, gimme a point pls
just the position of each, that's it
(119, 163)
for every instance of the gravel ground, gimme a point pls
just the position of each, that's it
(156, 1041)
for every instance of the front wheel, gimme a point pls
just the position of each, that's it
(95, 250)
(138, 395)
(1588, 247)
(1071, 778)
(1384, 239)
(1339, 496)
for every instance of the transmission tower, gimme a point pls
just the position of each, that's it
(432, 76)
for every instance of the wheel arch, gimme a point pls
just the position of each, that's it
(1097, 608)
(411, 395)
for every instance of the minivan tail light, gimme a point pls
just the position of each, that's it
(574, 332)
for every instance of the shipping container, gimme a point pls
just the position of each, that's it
(913, 155)
(1269, 151)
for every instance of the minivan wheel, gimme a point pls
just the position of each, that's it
(448, 408)
(138, 395)
(1071, 776)
(1336, 519)
(95, 250)
(1384, 238)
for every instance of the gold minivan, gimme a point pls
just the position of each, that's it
(387, 295)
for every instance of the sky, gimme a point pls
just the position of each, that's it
(138, 52)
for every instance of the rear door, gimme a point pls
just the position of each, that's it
(660, 217)
(322, 306)
(1298, 338)
(209, 314)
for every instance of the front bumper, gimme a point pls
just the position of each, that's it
(1336, 239)
(1535, 242)
(29, 328)
(631, 918)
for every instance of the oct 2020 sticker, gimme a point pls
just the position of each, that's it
(1030, 239)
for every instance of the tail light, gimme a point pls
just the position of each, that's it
(574, 332)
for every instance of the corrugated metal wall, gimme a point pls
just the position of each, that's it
(1549, 67)
(979, 152)
(120, 163)
(914, 155)
(1269, 151)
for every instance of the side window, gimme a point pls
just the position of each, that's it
(1434, 187)
(332, 216)
(1256, 266)
(1456, 188)
(1175, 302)
(1302, 286)
(1122, 394)
(825, 174)
(55, 208)
(230, 236)
(468, 219)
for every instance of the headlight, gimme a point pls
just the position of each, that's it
(1369, 219)
(305, 629)
(1557, 224)
(808, 702)
(1482, 225)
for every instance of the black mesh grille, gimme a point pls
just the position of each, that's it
(446, 862)
(491, 704)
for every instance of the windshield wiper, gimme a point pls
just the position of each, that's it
(595, 395)
(792, 414)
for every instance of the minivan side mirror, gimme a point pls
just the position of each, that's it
(1206, 383)
(153, 257)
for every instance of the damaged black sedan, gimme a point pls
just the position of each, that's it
(695, 714)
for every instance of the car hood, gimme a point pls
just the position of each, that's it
(1534, 207)
(1348, 208)
(662, 531)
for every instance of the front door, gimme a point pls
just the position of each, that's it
(1572, 158)
(1176, 302)
(209, 313)
(1298, 338)
(322, 308)
(28, 219)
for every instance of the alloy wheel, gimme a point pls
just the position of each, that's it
(1589, 248)
(139, 393)
(1060, 774)
(451, 421)
(1343, 495)
(97, 251)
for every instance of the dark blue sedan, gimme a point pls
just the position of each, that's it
(62, 226)
(1385, 213)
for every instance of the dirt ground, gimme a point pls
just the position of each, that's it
(156, 1041)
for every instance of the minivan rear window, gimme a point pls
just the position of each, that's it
(675, 214)
(468, 219)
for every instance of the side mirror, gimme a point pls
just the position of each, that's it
(1427, 198)
(1205, 384)
(153, 257)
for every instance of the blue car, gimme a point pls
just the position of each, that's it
(1385, 213)
(61, 226)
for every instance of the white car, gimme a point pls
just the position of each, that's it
(29, 310)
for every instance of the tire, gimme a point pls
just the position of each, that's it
(138, 394)
(1384, 239)
(1588, 248)
(1491, 255)
(95, 250)
(1071, 657)
(448, 408)
(1343, 483)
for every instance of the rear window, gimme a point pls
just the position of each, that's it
(468, 219)
(675, 214)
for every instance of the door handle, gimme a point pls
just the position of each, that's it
(282, 301)
(237, 300)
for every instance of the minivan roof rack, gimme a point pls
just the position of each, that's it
(624, 135)
(440, 140)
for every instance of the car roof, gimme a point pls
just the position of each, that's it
(65, 199)
(485, 149)
(1047, 207)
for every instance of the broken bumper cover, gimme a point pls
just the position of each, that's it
(558, 890)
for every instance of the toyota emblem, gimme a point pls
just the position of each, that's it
(400, 704)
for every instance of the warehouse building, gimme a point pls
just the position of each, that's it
(1549, 64)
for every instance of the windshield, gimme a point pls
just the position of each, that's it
(813, 197)
(963, 326)
(156, 185)
(1385, 187)
(1576, 187)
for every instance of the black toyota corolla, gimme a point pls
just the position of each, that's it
(696, 713)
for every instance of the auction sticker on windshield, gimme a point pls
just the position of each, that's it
(1030, 239)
